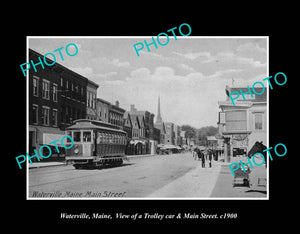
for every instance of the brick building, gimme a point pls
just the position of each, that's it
(115, 114)
(91, 95)
(57, 96)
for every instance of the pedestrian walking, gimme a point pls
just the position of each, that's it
(199, 154)
(210, 157)
(203, 159)
(195, 153)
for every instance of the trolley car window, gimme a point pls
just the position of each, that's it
(69, 133)
(101, 135)
(87, 136)
(106, 138)
(77, 136)
(110, 138)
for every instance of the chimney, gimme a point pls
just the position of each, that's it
(117, 103)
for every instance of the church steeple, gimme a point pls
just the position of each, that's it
(158, 118)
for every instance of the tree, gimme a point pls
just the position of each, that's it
(206, 131)
(190, 132)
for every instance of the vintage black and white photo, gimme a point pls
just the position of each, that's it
(160, 125)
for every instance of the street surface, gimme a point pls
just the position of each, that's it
(160, 176)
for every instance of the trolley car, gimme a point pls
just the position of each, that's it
(95, 143)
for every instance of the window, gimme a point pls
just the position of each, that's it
(69, 114)
(110, 137)
(35, 114)
(77, 136)
(236, 120)
(258, 121)
(45, 115)
(35, 81)
(94, 100)
(54, 117)
(100, 109)
(45, 89)
(76, 90)
(54, 96)
(87, 136)
(101, 138)
(87, 99)
(91, 100)
(222, 117)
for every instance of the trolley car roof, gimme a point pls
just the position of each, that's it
(89, 125)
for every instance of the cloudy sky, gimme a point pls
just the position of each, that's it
(189, 74)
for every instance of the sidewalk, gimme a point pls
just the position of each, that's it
(197, 183)
(224, 186)
(45, 164)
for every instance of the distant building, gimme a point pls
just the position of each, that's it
(212, 142)
(102, 108)
(127, 127)
(183, 138)
(109, 113)
(170, 134)
(244, 123)
(91, 96)
(177, 135)
(137, 143)
(115, 114)
(162, 130)
(146, 128)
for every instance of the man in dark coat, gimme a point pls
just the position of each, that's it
(210, 157)
(198, 154)
(202, 158)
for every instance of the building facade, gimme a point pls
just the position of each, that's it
(127, 127)
(57, 96)
(177, 135)
(244, 123)
(115, 114)
(170, 134)
(102, 108)
(162, 131)
(146, 120)
(91, 96)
